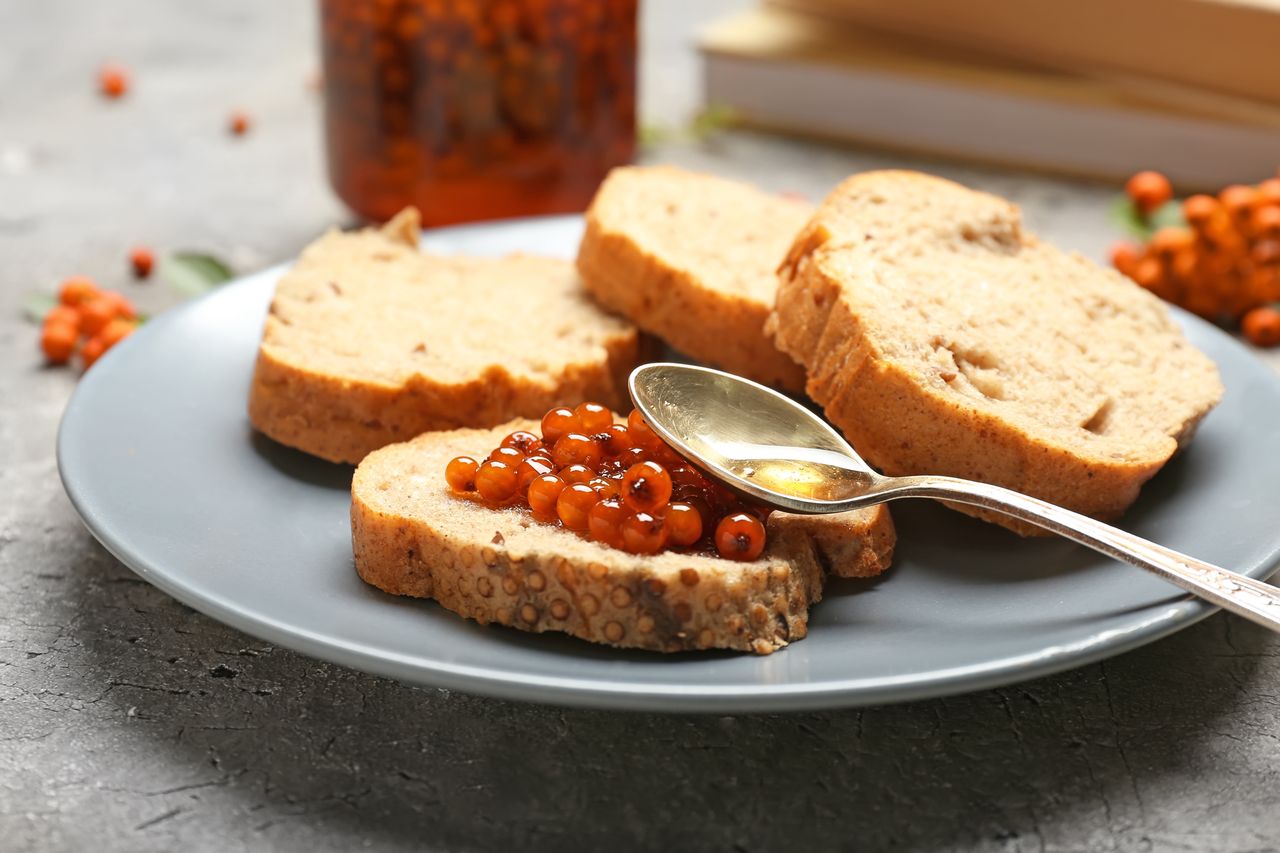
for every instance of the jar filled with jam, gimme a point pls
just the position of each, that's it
(476, 109)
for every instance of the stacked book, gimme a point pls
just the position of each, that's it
(1190, 88)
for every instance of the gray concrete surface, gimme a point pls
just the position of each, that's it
(128, 722)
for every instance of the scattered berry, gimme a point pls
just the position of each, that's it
(63, 315)
(113, 80)
(142, 260)
(116, 331)
(1149, 191)
(77, 290)
(58, 341)
(1262, 326)
(91, 352)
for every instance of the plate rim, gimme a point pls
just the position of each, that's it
(1171, 615)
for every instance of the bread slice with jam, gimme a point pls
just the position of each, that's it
(691, 258)
(943, 338)
(412, 535)
(370, 341)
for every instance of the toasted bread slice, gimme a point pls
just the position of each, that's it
(942, 338)
(691, 258)
(413, 536)
(370, 341)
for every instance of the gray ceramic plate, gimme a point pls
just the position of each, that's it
(158, 457)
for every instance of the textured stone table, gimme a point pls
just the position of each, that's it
(128, 722)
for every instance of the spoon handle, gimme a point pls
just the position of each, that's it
(1232, 591)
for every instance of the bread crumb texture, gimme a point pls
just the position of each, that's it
(412, 535)
(943, 338)
(691, 258)
(371, 341)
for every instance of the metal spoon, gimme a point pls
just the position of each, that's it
(769, 447)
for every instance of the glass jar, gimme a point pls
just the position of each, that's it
(476, 109)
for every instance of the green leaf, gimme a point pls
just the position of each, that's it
(1125, 216)
(649, 134)
(36, 305)
(194, 273)
(1168, 214)
(712, 119)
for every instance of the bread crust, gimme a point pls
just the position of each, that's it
(668, 286)
(905, 422)
(412, 536)
(343, 414)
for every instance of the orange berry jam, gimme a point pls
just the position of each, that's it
(614, 483)
(476, 109)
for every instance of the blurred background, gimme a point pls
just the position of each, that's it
(211, 139)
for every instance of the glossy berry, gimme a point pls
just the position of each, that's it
(556, 423)
(593, 418)
(643, 533)
(646, 487)
(684, 524)
(739, 537)
(1149, 191)
(460, 473)
(543, 493)
(614, 440)
(577, 474)
(641, 435)
(604, 522)
(632, 456)
(509, 455)
(497, 482)
(574, 448)
(524, 441)
(605, 487)
(531, 468)
(574, 505)
(142, 260)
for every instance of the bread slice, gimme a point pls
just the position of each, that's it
(691, 258)
(369, 341)
(412, 536)
(942, 338)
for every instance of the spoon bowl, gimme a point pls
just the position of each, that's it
(770, 448)
(753, 439)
